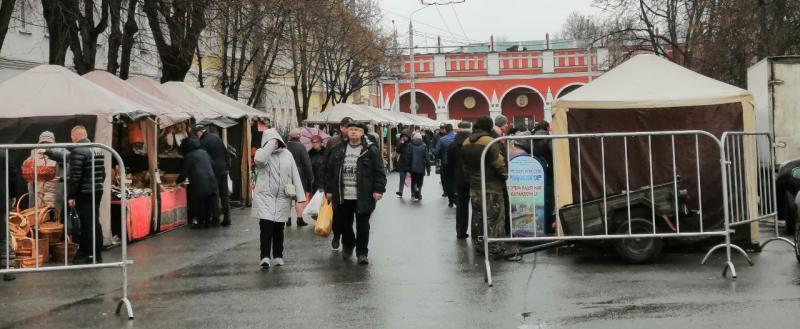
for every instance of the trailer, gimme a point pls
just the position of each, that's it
(775, 85)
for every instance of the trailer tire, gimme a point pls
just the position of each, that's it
(638, 250)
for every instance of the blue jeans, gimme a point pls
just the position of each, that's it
(402, 181)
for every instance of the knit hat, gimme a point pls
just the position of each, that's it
(465, 126)
(47, 137)
(316, 139)
(294, 133)
(417, 135)
(500, 120)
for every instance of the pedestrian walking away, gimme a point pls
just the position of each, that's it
(447, 174)
(460, 180)
(278, 184)
(84, 191)
(202, 187)
(303, 163)
(419, 165)
(220, 158)
(333, 142)
(402, 160)
(317, 156)
(355, 181)
(495, 177)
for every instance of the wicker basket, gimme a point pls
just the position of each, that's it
(29, 262)
(26, 247)
(46, 169)
(52, 231)
(58, 251)
(18, 225)
(45, 214)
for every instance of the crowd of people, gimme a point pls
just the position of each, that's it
(457, 156)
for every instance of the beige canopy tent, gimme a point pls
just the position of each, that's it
(50, 97)
(646, 93)
(251, 112)
(166, 113)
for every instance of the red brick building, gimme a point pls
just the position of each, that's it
(518, 82)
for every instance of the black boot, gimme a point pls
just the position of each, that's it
(289, 222)
(301, 222)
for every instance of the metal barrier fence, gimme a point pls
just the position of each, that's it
(637, 196)
(36, 150)
(750, 159)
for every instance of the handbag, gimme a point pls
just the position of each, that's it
(290, 190)
(74, 222)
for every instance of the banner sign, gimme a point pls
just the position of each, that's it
(525, 184)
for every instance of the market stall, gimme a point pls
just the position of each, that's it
(647, 93)
(53, 98)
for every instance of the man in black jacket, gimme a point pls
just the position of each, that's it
(84, 191)
(220, 160)
(333, 142)
(460, 181)
(355, 182)
(303, 162)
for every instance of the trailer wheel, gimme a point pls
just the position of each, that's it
(638, 250)
(790, 212)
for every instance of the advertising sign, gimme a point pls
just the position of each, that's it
(525, 184)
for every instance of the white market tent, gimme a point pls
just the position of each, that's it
(647, 93)
(201, 111)
(251, 112)
(335, 114)
(181, 89)
(50, 91)
(167, 114)
(197, 111)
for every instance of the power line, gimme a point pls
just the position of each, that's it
(425, 24)
(458, 20)
(444, 22)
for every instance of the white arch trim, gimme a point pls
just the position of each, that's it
(408, 91)
(567, 86)
(450, 97)
(544, 101)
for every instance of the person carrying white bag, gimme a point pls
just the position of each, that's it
(313, 206)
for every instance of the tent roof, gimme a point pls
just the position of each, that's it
(335, 114)
(181, 88)
(251, 112)
(166, 113)
(197, 110)
(649, 81)
(50, 90)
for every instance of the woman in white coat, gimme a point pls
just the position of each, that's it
(276, 176)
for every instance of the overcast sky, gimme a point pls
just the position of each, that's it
(511, 20)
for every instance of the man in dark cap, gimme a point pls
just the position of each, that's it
(220, 160)
(460, 181)
(333, 142)
(355, 182)
(447, 172)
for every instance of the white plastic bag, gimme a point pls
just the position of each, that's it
(312, 207)
(230, 185)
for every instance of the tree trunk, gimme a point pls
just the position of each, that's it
(6, 9)
(58, 28)
(184, 21)
(115, 36)
(129, 31)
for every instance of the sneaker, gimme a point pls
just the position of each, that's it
(362, 260)
(399, 194)
(289, 222)
(347, 253)
(335, 242)
(265, 262)
(278, 261)
(226, 222)
(462, 236)
(9, 277)
(301, 222)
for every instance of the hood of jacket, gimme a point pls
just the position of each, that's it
(475, 136)
(189, 144)
(417, 141)
(271, 134)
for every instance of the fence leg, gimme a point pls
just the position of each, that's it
(722, 245)
(790, 242)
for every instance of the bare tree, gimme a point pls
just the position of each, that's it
(129, 31)
(6, 10)
(58, 26)
(83, 32)
(305, 36)
(176, 26)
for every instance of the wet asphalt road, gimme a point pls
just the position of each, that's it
(420, 276)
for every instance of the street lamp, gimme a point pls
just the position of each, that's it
(413, 93)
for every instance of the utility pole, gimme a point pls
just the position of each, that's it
(413, 90)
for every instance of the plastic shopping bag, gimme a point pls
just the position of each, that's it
(313, 205)
(408, 180)
(324, 219)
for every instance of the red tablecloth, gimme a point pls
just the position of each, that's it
(173, 209)
(138, 221)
